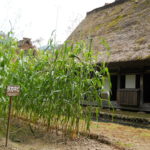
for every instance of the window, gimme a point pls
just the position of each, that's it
(130, 81)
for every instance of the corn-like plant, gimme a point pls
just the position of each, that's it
(53, 83)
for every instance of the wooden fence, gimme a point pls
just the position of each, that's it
(128, 97)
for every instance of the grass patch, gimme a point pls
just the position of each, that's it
(125, 145)
(145, 135)
(141, 41)
(114, 22)
(127, 113)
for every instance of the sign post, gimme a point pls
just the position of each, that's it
(12, 90)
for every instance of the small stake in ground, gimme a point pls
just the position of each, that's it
(12, 90)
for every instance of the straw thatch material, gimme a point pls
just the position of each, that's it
(125, 24)
(25, 44)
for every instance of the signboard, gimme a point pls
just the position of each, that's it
(13, 90)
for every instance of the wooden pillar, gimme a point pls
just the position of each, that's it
(118, 79)
(141, 89)
(118, 87)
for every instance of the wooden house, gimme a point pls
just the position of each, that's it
(125, 24)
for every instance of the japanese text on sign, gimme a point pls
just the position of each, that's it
(13, 90)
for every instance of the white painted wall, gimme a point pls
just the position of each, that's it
(130, 81)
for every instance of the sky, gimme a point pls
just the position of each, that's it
(37, 19)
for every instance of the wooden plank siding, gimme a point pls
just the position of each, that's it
(128, 97)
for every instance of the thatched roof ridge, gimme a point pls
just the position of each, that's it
(125, 24)
(116, 2)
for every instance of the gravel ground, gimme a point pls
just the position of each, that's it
(81, 143)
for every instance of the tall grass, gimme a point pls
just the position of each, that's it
(53, 83)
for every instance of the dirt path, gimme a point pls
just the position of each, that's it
(38, 144)
(22, 138)
(129, 138)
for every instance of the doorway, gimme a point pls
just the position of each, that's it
(114, 87)
(146, 88)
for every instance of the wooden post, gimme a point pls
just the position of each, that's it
(12, 90)
(9, 118)
(141, 89)
(118, 88)
(118, 81)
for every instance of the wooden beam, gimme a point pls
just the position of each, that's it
(141, 89)
(118, 81)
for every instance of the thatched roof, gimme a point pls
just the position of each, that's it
(125, 24)
(25, 44)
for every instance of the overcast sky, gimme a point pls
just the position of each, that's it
(38, 18)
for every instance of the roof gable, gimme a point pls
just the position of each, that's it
(125, 25)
